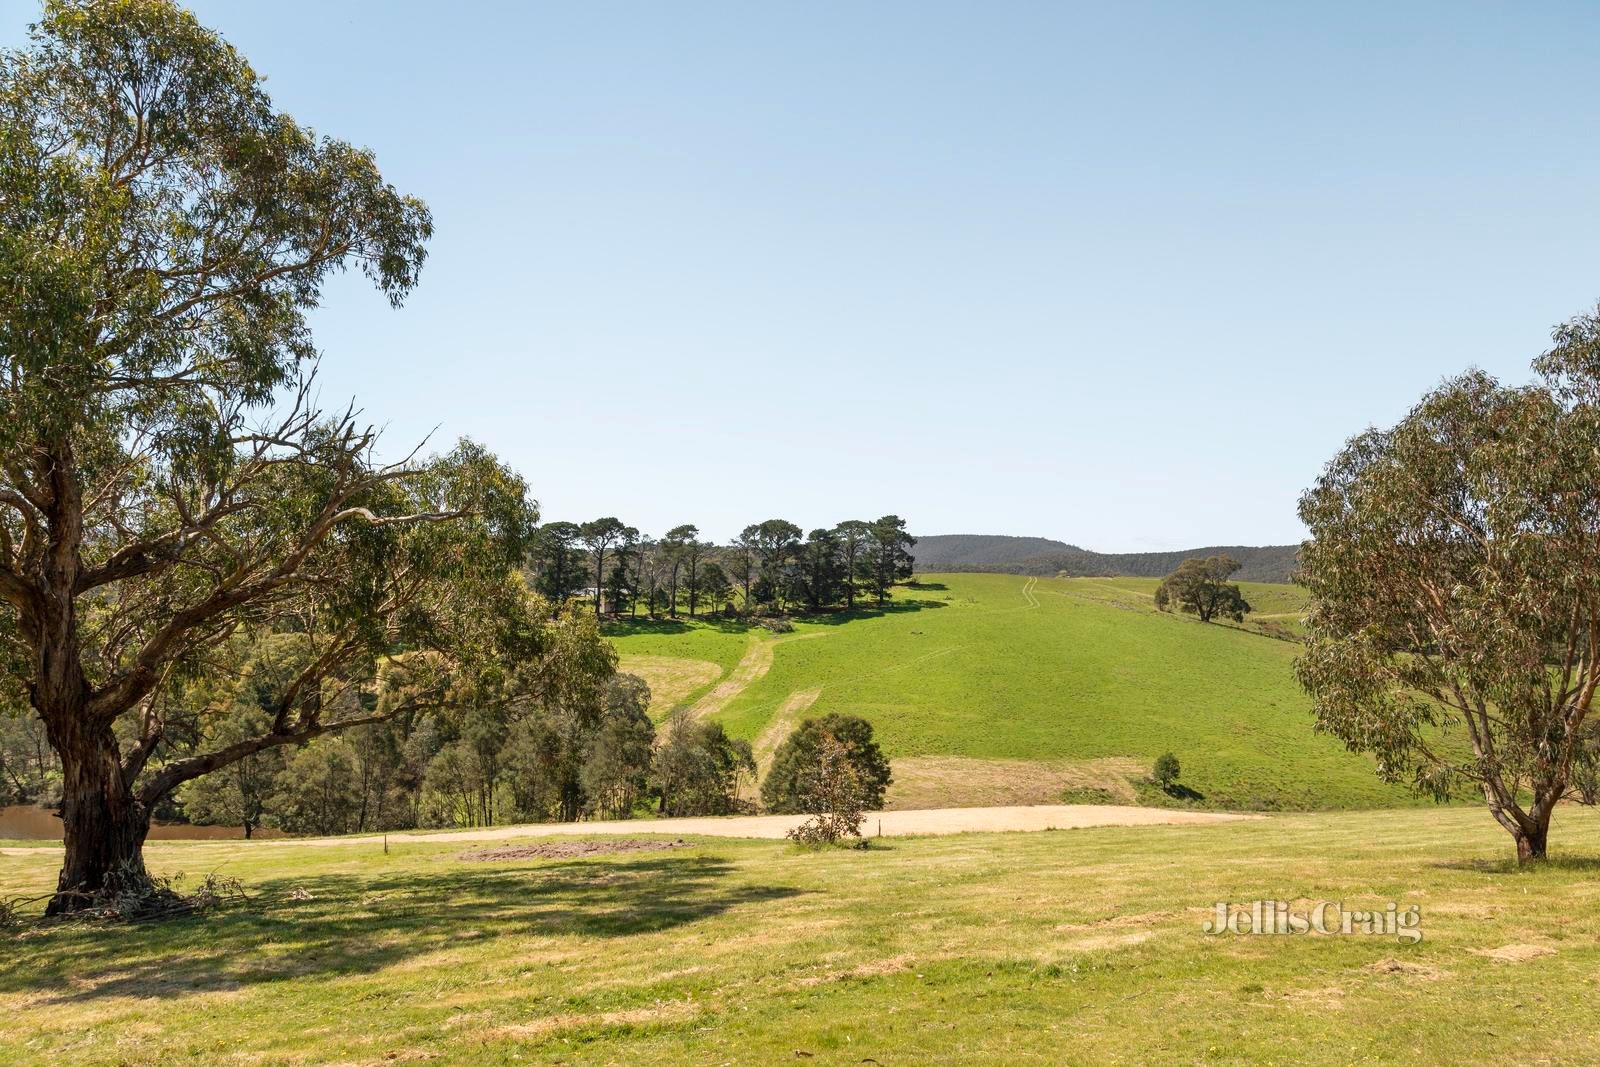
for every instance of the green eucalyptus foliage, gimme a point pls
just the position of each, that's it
(1454, 568)
(167, 479)
(698, 767)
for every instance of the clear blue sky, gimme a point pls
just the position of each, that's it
(1122, 274)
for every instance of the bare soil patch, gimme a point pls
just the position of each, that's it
(1422, 971)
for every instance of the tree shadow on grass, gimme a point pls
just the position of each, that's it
(626, 626)
(874, 611)
(335, 924)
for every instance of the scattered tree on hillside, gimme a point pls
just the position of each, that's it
(714, 583)
(165, 476)
(622, 580)
(740, 563)
(1201, 587)
(853, 537)
(821, 573)
(649, 573)
(791, 782)
(1455, 585)
(888, 556)
(675, 546)
(694, 559)
(773, 543)
(1167, 770)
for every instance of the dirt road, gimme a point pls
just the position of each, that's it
(893, 823)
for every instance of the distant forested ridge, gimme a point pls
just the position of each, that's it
(1043, 556)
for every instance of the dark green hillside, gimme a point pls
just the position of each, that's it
(1046, 558)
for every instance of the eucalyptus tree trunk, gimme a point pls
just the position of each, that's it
(1533, 829)
(1531, 843)
(105, 824)
(1530, 828)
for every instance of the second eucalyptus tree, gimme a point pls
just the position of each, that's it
(1454, 628)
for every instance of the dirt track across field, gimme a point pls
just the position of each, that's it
(890, 823)
(757, 662)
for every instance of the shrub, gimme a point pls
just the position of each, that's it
(791, 784)
(835, 790)
(1167, 770)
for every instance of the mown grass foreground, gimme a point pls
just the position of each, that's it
(1079, 946)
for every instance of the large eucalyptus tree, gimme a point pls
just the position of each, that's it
(166, 477)
(1454, 570)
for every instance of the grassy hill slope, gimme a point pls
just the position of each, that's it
(1047, 558)
(976, 680)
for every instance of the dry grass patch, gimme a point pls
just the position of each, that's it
(675, 1011)
(1408, 969)
(671, 680)
(963, 782)
(783, 722)
(1514, 953)
(756, 663)
(1102, 942)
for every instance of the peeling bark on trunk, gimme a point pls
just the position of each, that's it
(105, 826)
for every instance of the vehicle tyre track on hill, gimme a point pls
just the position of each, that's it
(785, 717)
(783, 720)
(757, 662)
(1030, 601)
